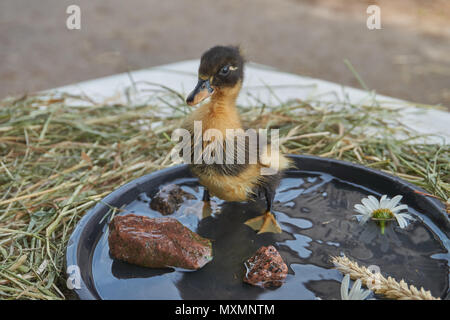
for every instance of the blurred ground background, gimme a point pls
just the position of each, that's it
(408, 58)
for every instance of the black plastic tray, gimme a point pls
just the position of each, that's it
(84, 238)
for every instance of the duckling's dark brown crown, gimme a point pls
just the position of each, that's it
(224, 64)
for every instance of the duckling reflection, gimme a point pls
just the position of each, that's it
(371, 234)
(233, 243)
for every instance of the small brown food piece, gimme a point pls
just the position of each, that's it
(157, 243)
(169, 199)
(266, 268)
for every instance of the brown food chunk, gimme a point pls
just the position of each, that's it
(169, 199)
(266, 268)
(157, 243)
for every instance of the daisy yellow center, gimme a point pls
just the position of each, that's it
(382, 214)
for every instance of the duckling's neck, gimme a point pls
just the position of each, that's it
(225, 97)
(222, 112)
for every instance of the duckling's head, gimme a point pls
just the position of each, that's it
(221, 72)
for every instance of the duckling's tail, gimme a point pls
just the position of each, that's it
(272, 161)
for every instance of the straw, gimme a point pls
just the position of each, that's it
(58, 160)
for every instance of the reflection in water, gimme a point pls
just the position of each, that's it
(371, 234)
(123, 270)
(233, 242)
(315, 212)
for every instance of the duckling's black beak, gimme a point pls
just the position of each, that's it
(201, 91)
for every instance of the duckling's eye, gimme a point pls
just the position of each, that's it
(224, 71)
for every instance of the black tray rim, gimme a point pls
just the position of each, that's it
(72, 250)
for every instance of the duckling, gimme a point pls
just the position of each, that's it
(220, 77)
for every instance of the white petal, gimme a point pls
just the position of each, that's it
(399, 208)
(363, 212)
(375, 202)
(394, 202)
(344, 287)
(384, 201)
(401, 221)
(364, 218)
(355, 289)
(362, 209)
(406, 216)
(368, 204)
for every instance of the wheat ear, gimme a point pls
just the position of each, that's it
(389, 287)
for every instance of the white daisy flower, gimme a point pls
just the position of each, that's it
(384, 210)
(356, 293)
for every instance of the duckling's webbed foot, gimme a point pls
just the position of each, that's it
(266, 222)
